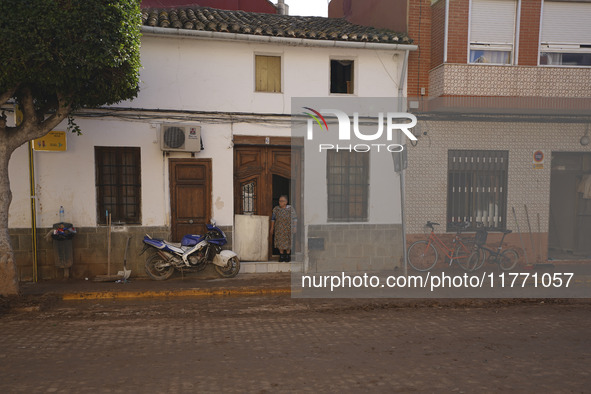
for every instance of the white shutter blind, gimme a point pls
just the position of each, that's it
(493, 21)
(566, 23)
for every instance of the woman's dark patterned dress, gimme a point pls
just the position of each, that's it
(285, 221)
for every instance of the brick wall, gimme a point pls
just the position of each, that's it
(437, 33)
(529, 32)
(457, 42)
(419, 61)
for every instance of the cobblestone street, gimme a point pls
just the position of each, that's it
(275, 344)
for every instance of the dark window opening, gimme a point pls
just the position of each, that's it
(347, 185)
(118, 184)
(341, 76)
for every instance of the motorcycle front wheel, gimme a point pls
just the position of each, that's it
(157, 268)
(231, 269)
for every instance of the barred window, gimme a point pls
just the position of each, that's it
(118, 184)
(249, 195)
(477, 187)
(347, 185)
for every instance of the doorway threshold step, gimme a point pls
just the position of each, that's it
(258, 267)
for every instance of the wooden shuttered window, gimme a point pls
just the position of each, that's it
(118, 184)
(477, 187)
(268, 73)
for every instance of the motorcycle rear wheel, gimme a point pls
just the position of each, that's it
(157, 269)
(231, 269)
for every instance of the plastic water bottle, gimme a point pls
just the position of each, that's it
(62, 213)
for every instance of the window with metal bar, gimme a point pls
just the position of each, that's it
(118, 184)
(347, 185)
(477, 188)
(248, 190)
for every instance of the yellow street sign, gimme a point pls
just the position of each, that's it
(54, 141)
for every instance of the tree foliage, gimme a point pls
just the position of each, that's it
(57, 56)
(86, 52)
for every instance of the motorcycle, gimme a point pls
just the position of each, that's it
(192, 254)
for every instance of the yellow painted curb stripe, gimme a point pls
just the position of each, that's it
(172, 293)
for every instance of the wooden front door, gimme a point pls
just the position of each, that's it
(254, 167)
(262, 172)
(190, 196)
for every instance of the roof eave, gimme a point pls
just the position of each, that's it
(307, 42)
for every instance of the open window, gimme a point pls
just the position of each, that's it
(566, 34)
(341, 76)
(492, 31)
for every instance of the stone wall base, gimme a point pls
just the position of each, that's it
(89, 251)
(354, 247)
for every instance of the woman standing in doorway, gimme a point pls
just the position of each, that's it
(283, 225)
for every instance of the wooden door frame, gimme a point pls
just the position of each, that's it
(172, 162)
(272, 142)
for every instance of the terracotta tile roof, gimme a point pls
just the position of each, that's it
(310, 27)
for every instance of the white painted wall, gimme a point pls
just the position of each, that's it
(194, 75)
(207, 75)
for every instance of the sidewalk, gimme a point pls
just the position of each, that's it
(244, 284)
(177, 286)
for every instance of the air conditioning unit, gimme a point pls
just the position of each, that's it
(180, 138)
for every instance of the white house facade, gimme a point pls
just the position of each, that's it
(227, 88)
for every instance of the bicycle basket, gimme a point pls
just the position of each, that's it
(480, 237)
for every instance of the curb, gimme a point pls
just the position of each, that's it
(174, 293)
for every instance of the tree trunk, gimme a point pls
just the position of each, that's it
(8, 273)
(33, 126)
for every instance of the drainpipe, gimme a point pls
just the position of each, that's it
(33, 209)
(446, 31)
(18, 118)
(402, 171)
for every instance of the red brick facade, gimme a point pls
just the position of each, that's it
(457, 40)
(437, 33)
(426, 26)
(419, 61)
(529, 32)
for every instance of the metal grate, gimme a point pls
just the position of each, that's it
(347, 185)
(248, 191)
(477, 187)
(118, 184)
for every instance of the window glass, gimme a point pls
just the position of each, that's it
(347, 185)
(565, 59)
(118, 184)
(490, 57)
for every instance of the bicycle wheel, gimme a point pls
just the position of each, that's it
(475, 260)
(422, 256)
(483, 255)
(462, 252)
(508, 259)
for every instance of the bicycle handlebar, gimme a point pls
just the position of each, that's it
(431, 224)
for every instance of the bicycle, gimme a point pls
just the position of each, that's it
(423, 255)
(506, 259)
